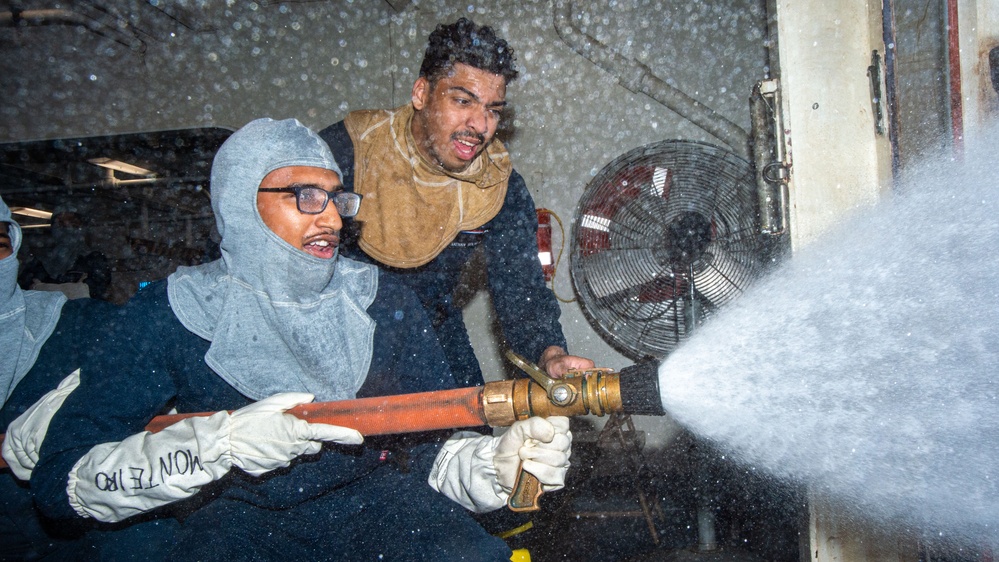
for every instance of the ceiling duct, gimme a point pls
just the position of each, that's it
(640, 79)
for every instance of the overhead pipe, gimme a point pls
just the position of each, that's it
(56, 16)
(640, 79)
(635, 390)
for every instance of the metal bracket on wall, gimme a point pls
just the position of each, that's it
(876, 75)
(770, 156)
(994, 67)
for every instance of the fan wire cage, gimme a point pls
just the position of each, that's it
(664, 235)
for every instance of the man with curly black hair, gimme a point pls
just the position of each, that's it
(437, 185)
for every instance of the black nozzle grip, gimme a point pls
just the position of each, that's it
(640, 390)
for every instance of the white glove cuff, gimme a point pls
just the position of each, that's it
(114, 481)
(464, 472)
(26, 433)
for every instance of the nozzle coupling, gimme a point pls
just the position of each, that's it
(593, 391)
(635, 390)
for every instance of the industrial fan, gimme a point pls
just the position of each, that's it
(664, 235)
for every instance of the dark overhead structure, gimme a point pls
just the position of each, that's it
(140, 201)
(113, 179)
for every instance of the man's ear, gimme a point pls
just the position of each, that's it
(421, 93)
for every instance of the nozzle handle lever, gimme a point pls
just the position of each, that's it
(527, 491)
(532, 370)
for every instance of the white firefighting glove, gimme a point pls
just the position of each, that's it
(544, 446)
(478, 471)
(263, 438)
(26, 433)
(114, 481)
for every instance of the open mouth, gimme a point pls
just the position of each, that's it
(466, 146)
(321, 248)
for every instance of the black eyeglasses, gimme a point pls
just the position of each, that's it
(312, 200)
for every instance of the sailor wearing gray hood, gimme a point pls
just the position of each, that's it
(278, 321)
(43, 340)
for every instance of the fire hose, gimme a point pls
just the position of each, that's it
(633, 390)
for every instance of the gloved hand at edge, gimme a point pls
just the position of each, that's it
(478, 471)
(114, 481)
(25, 434)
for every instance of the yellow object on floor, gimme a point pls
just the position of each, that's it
(521, 555)
(516, 530)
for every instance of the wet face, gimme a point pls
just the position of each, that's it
(317, 235)
(6, 248)
(456, 117)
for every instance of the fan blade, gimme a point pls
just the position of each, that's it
(640, 223)
(614, 271)
(654, 326)
(726, 276)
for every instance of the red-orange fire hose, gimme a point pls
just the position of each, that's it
(384, 415)
(497, 404)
